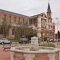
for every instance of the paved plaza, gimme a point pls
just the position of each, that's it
(5, 55)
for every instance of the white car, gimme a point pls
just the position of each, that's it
(4, 40)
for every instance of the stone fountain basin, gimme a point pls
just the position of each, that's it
(26, 49)
(44, 53)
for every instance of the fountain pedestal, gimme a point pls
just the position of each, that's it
(34, 43)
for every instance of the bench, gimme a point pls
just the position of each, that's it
(6, 46)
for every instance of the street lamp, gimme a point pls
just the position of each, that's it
(57, 29)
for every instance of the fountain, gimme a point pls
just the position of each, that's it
(33, 52)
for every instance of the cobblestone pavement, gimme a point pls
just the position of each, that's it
(5, 55)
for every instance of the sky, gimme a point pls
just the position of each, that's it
(33, 7)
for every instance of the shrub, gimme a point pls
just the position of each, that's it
(45, 38)
(29, 37)
(43, 45)
(47, 45)
(51, 45)
(13, 40)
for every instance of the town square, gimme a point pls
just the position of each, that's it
(29, 30)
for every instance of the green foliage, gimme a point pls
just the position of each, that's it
(23, 30)
(5, 26)
(58, 33)
(45, 38)
(43, 45)
(51, 45)
(13, 40)
(29, 37)
(47, 45)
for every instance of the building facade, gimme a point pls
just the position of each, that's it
(42, 22)
(45, 26)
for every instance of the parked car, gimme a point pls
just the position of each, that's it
(5, 41)
(23, 40)
(51, 40)
(58, 40)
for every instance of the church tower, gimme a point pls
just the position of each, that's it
(49, 11)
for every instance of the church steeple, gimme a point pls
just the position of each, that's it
(49, 11)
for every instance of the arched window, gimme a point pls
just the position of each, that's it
(4, 17)
(14, 19)
(23, 21)
(9, 18)
(19, 20)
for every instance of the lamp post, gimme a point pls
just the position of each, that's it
(57, 29)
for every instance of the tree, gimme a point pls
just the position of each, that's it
(5, 27)
(22, 30)
(58, 35)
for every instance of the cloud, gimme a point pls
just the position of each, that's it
(22, 6)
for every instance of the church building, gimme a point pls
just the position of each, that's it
(42, 23)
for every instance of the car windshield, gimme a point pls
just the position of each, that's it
(1, 40)
(4, 39)
(23, 39)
